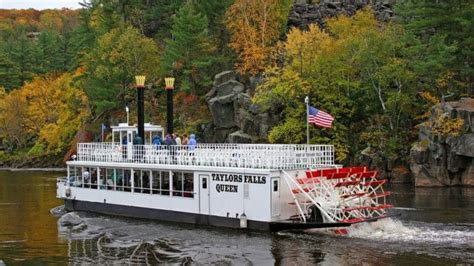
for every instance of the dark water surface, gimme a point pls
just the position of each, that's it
(436, 227)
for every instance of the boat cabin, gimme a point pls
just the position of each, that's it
(125, 133)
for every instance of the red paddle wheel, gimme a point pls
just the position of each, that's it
(339, 195)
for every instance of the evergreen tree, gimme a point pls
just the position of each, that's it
(159, 17)
(215, 10)
(22, 53)
(9, 73)
(445, 45)
(51, 58)
(189, 53)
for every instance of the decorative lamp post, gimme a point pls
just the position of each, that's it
(128, 112)
(140, 81)
(169, 86)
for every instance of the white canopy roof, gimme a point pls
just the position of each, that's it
(127, 127)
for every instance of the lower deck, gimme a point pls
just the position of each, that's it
(199, 196)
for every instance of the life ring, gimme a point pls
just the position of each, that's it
(117, 148)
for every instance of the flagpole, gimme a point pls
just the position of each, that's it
(306, 101)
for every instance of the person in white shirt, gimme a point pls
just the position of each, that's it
(177, 139)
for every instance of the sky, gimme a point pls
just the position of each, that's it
(38, 4)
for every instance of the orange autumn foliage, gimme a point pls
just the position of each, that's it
(255, 26)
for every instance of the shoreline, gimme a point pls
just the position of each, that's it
(11, 169)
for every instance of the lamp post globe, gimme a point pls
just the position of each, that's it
(169, 86)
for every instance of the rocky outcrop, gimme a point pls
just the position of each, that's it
(70, 219)
(444, 155)
(235, 118)
(303, 14)
(392, 169)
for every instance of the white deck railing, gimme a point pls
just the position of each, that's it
(262, 156)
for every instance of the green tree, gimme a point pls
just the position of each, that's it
(23, 52)
(50, 55)
(444, 43)
(189, 53)
(9, 73)
(111, 66)
(215, 10)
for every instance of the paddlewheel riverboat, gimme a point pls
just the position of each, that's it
(256, 186)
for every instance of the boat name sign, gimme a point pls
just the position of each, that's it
(231, 178)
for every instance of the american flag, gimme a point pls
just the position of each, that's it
(319, 118)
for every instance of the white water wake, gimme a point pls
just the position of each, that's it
(394, 230)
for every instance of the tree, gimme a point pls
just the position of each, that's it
(47, 111)
(444, 45)
(215, 10)
(13, 112)
(50, 56)
(9, 73)
(22, 52)
(189, 52)
(255, 27)
(111, 66)
(357, 72)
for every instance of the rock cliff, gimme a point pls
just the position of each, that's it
(303, 14)
(235, 118)
(444, 155)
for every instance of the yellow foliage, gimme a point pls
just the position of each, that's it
(430, 101)
(362, 22)
(303, 48)
(446, 126)
(444, 80)
(47, 108)
(255, 26)
(429, 98)
(13, 111)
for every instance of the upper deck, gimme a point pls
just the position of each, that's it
(255, 156)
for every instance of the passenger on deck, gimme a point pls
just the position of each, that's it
(168, 140)
(177, 139)
(137, 140)
(185, 140)
(192, 142)
(156, 141)
(124, 148)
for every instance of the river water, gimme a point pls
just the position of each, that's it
(435, 227)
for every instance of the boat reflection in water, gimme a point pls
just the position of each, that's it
(104, 239)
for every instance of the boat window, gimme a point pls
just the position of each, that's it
(177, 184)
(188, 190)
(93, 181)
(75, 176)
(204, 183)
(275, 185)
(165, 183)
(114, 176)
(127, 180)
(137, 181)
(102, 174)
(144, 181)
(156, 182)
